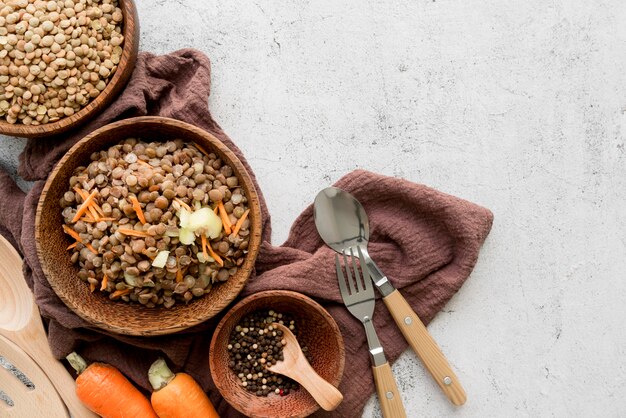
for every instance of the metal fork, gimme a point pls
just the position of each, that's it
(358, 295)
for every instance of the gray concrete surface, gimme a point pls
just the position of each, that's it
(518, 106)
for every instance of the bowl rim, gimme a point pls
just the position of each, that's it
(255, 224)
(290, 294)
(125, 68)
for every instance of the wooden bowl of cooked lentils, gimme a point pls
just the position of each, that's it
(148, 226)
(62, 63)
(234, 359)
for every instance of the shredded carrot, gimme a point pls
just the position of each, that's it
(119, 293)
(145, 252)
(204, 246)
(183, 204)
(132, 232)
(80, 192)
(69, 247)
(94, 213)
(241, 221)
(88, 218)
(179, 272)
(202, 150)
(154, 188)
(215, 209)
(144, 163)
(69, 231)
(97, 208)
(215, 256)
(137, 208)
(92, 287)
(84, 206)
(105, 281)
(225, 220)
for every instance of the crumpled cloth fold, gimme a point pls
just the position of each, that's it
(425, 241)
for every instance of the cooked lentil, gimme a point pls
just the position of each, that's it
(254, 345)
(117, 252)
(56, 56)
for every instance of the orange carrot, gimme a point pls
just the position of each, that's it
(240, 221)
(204, 246)
(137, 208)
(215, 256)
(216, 208)
(69, 231)
(97, 208)
(105, 391)
(119, 293)
(225, 220)
(92, 287)
(69, 247)
(132, 232)
(144, 163)
(94, 213)
(105, 281)
(84, 206)
(179, 276)
(154, 188)
(178, 395)
(202, 150)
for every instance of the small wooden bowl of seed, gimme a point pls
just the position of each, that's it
(62, 63)
(244, 341)
(121, 258)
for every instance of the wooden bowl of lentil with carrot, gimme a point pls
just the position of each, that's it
(64, 67)
(112, 239)
(315, 330)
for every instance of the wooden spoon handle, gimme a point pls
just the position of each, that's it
(388, 393)
(425, 347)
(325, 394)
(33, 340)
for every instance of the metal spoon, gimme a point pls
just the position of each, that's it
(21, 323)
(296, 367)
(342, 223)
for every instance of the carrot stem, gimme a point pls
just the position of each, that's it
(159, 374)
(241, 221)
(137, 208)
(84, 206)
(77, 362)
(225, 220)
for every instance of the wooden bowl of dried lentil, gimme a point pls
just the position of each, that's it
(314, 329)
(62, 62)
(103, 305)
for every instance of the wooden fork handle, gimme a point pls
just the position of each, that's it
(388, 393)
(425, 347)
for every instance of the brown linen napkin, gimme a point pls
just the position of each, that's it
(427, 243)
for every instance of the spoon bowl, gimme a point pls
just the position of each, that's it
(295, 366)
(340, 219)
(20, 322)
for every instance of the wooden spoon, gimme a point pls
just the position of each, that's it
(296, 367)
(21, 323)
(28, 391)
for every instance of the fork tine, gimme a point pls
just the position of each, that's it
(366, 272)
(357, 276)
(341, 279)
(348, 273)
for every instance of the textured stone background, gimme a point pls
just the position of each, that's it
(518, 106)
